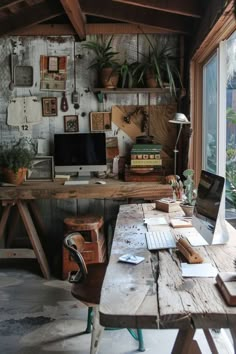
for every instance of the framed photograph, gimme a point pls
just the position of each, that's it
(42, 169)
(49, 106)
(100, 121)
(53, 64)
(71, 123)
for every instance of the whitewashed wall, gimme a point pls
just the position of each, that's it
(28, 51)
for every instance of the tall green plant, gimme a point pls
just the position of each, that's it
(162, 63)
(105, 57)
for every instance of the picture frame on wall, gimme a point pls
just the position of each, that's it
(71, 124)
(100, 121)
(42, 169)
(53, 64)
(49, 106)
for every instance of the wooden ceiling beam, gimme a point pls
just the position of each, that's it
(6, 3)
(126, 13)
(74, 13)
(31, 16)
(46, 30)
(187, 8)
(120, 28)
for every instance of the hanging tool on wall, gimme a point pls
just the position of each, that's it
(144, 122)
(75, 94)
(64, 103)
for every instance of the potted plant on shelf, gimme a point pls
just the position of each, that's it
(190, 193)
(105, 62)
(159, 68)
(16, 159)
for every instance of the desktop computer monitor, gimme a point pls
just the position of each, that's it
(80, 153)
(208, 215)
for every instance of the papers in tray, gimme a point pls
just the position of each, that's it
(130, 258)
(198, 270)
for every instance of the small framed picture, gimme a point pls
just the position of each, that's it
(49, 106)
(100, 121)
(53, 64)
(71, 123)
(42, 169)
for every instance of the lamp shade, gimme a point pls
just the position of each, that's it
(179, 118)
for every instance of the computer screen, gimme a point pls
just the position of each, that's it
(208, 215)
(82, 153)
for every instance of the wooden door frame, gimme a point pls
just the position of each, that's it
(222, 29)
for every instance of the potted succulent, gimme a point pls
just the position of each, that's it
(190, 193)
(105, 62)
(16, 159)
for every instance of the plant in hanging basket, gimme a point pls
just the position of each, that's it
(16, 158)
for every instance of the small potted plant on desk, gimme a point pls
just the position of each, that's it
(190, 193)
(16, 159)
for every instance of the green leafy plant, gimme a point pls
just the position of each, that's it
(190, 191)
(128, 74)
(20, 154)
(161, 64)
(105, 57)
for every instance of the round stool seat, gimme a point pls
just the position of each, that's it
(86, 223)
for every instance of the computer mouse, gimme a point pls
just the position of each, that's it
(100, 182)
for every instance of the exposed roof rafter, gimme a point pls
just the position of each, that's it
(31, 16)
(74, 13)
(187, 8)
(126, 13)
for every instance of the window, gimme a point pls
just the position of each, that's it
(213, 106)
(210, 134)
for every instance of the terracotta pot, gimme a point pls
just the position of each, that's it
(150, 79)
(109, 78)
(14, 177)
(187, 209)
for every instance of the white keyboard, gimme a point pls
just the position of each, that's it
(161, 239)
(75, 183)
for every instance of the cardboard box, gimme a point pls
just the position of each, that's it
(167, 205)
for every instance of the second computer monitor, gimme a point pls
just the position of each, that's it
(208, 215)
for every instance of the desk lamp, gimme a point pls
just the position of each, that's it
(180, 119)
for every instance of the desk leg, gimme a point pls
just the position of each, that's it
(96, 333)
(5, 215)
(34, 238)
(183, 341)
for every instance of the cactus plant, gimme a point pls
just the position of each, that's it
(190, 192)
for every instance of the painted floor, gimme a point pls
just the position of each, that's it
(41, 317)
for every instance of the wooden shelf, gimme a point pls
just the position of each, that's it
(132, 90)
(100, 92)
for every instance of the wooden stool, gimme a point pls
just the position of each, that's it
(90, 227)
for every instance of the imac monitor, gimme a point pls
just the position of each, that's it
(208, 214)
(80, 153)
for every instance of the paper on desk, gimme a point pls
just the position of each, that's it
(158, 220)
(198, 270)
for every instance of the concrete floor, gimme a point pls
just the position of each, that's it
(41, 317)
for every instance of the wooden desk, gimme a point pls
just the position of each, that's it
(22, 196)
(112, 189)
(153, 294)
